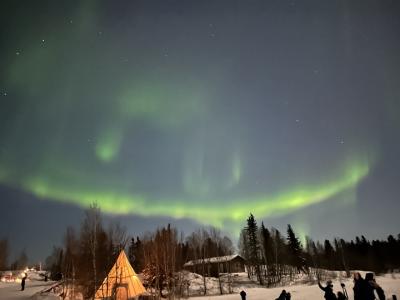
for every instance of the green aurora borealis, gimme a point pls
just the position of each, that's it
(196, 115)
(204, 210)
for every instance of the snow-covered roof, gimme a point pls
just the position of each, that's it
(212, 260)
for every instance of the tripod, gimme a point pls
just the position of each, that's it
(344, 290)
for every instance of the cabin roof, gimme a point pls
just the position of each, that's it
(212, 260)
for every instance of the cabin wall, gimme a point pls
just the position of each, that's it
(236, 265)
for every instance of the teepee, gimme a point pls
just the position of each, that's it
(122, 283)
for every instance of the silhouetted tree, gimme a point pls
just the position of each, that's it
(21, 262)
(295, 252)
(4, 251)
(267, 246)
(253, 246)
(135, 254)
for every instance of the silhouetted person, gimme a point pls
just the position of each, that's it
(359, 286)
(329, 294)
(341, 296)
(23, 282)
(288, 296)
(282, 296)
(243, 295)
(370, 286)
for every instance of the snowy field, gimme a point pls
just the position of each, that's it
(12, 291)
(389, 282)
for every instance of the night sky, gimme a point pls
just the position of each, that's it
(198, 113)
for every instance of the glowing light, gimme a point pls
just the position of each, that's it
(210, 211)
(236, 169)
(108, 146)
(166, 104)
(111, 104)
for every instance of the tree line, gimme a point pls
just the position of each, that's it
(159, 255)
(270, 255)
(20, 262)
(87, 255)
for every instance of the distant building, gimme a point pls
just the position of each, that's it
(215, 265)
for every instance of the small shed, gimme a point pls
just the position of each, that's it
(213, 266)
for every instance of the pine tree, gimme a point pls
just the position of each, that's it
(268, 254)
(54, 263)
(267, 245)
(295, 250)
(254, 246)
(135, 254)
(329, 255)
(342, 244)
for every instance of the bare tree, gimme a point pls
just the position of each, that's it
(71, 248)
(160, 250)
(216, 238)
(91, 232)
(197, 241)
(21, 262)
(117, 236)
(4, 249)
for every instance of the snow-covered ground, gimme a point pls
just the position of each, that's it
(33, 285)
(299, 290)
(389, 282)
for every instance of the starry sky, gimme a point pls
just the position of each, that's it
(198, 113)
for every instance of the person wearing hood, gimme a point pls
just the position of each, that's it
(282, 296)
(371, 286)
(243, 295)
(329, 294)
(359, 286)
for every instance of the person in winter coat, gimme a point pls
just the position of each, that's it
(341, 296)
(359, 286)
(243, 295)
(371, 286)
(329, 294)
(282, 296)
(23, 282)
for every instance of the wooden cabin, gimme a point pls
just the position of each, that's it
(213, 266)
